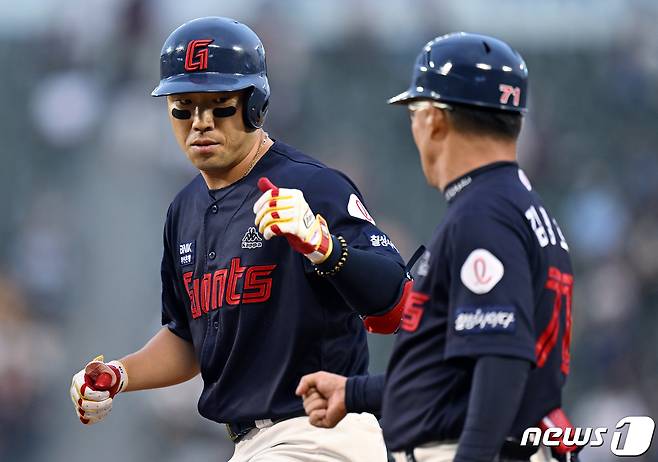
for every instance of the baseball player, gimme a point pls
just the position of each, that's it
(269, 270)
(483, 350)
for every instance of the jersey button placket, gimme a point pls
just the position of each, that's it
(212, 255)
(214, 208)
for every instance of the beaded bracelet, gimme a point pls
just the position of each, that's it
(341, 261)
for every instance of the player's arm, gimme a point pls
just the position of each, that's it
(167, 359)
(496, 393)
(373, 283)
(364, 393)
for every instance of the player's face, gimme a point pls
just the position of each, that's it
(210, 130)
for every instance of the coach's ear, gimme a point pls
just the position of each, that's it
(439, 123)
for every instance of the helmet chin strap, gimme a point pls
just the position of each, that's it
(184, 114)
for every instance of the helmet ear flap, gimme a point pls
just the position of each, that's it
(255, 108)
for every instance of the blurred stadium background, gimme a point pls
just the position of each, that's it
(90, 167)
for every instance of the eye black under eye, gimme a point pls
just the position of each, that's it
(181, 114)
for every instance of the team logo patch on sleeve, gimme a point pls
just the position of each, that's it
(481, 271)
(356, 208)
(475, 320)
(186, 253)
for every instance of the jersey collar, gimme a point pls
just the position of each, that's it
(219, 194)
(457, 185)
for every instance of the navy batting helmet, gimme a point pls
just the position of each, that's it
(216, 54)
(469, 69)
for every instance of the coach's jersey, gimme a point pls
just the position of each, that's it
(495, 280)
(258, 316)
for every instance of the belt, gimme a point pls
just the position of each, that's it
(237, 431)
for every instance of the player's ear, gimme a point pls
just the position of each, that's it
(439, 123)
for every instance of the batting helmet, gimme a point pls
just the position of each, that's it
(216, 54)
(469, 69)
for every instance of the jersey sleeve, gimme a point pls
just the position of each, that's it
(332, 195)
(173, 313)
(491, 304)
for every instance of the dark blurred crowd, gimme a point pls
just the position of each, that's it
(90, 168)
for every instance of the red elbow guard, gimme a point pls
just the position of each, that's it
(389, 322)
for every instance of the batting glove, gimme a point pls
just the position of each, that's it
(94, 387)
(284, 212)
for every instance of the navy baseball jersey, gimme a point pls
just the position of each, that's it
(496, 279)
(255, 311)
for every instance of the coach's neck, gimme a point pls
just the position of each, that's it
(463, 153)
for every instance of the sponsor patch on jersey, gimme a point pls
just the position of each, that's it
(524, 179)
(251, 239)
(456, 188)
(475, 320)
(481, 271)
(356, 208)
(186, 253)
(382, 240)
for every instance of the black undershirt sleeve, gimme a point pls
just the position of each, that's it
(371, 283)
(364, 393)
(498, 386)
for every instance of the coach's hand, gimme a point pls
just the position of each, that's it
(284, 212)
(324, 398)
(94, 387)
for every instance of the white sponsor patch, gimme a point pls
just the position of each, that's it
(456, 188)
(524, 179)
(486, 319)
(356, 208)
(186, 252)
(381, 240)
(481, 271)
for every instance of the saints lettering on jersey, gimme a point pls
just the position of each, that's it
(251, 306)
(210, 291)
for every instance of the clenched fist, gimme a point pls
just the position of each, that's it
(324, 398)
(285, 212)
(94, 387)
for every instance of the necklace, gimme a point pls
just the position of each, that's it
(252, 164)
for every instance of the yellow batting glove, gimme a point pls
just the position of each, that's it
(285, 212)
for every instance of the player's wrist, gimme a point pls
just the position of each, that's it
(120, 375)
(349, 396)
(337, 259)
(341, 395)
(321, 240)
